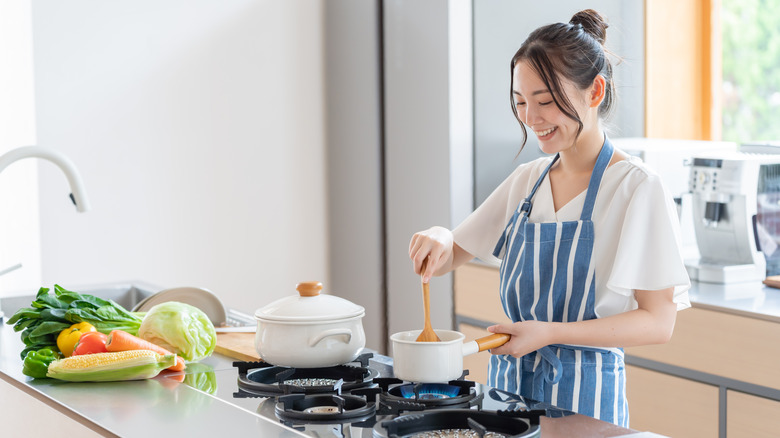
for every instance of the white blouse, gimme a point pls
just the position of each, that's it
(636, 230)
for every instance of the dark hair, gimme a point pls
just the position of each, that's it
(574, 50)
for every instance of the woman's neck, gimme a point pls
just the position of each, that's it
(581, 158)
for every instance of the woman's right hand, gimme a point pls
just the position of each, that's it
(435, 243)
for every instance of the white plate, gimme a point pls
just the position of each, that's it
(203, 299)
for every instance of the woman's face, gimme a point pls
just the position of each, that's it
(537, 110)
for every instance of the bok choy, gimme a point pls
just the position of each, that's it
(49, 314)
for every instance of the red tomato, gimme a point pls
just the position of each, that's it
(91, 342)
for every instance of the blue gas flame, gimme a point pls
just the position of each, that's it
(431, 391)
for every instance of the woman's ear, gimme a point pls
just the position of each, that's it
(597, 91)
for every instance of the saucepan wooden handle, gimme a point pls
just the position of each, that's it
(493, 341)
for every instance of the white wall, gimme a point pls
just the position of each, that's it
(19, 215)
(198, 130)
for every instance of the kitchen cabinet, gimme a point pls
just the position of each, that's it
(751, 416)
(477, 364)
(24, 415)
(477, 306)
(717, 376)
(671, 405)
(476, 294)
(731, 346)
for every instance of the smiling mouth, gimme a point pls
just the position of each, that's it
(545, 132)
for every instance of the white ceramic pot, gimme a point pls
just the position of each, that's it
(434, 362)
(310, 330)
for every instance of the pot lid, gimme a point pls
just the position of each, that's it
(309, 305)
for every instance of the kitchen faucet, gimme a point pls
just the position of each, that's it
(78, 195)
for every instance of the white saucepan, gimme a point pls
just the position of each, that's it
(432, 362)
(310, 330)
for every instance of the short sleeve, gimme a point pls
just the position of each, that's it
(479, 233)
(648, 255)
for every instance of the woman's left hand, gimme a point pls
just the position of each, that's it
(527, 336)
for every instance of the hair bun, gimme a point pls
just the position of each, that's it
(592, 22)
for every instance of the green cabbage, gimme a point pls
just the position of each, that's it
(179, 328)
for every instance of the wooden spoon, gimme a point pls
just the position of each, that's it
(427, 335)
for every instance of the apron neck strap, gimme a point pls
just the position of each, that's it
(526, 205)
(605, 156)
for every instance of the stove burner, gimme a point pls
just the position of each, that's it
(260, 379)
(430, 391)
(321, 410)
(327, 407)
(399, 396)
(462, 423)
(311, 382)
(457, 433)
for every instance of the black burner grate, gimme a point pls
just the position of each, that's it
(399, 396)
(260, 379)
(327, 407)
(506, 423)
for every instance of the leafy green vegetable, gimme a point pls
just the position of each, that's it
(50, 313)
(179, 328)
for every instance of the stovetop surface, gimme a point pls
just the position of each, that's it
(223, 384)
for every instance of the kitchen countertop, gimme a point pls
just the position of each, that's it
(134, 408)
(199, 402)
(752, 299)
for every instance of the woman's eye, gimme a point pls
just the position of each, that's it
(545, 103)
(519, 103)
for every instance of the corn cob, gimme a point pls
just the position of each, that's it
(105, 367)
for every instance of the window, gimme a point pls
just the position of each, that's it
(713, 70)
(750, 86)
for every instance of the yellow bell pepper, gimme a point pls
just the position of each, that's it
(67, 339)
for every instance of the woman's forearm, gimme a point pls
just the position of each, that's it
(628, 329)
(651, 323)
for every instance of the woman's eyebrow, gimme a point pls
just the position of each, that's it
(542, 91)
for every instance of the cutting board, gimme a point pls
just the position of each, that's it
(239, 346)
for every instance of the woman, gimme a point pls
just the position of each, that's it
(588, 239)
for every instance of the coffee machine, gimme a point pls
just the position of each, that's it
(736, 213)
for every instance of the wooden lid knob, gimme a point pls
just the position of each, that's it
(309, 288)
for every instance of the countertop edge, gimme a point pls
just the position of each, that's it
(737, 312)
(56, 405)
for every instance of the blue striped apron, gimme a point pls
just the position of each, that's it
(547, 274)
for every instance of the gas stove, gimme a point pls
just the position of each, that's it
(363, 399)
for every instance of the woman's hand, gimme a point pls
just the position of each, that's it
(527, 336)
(435, 243)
